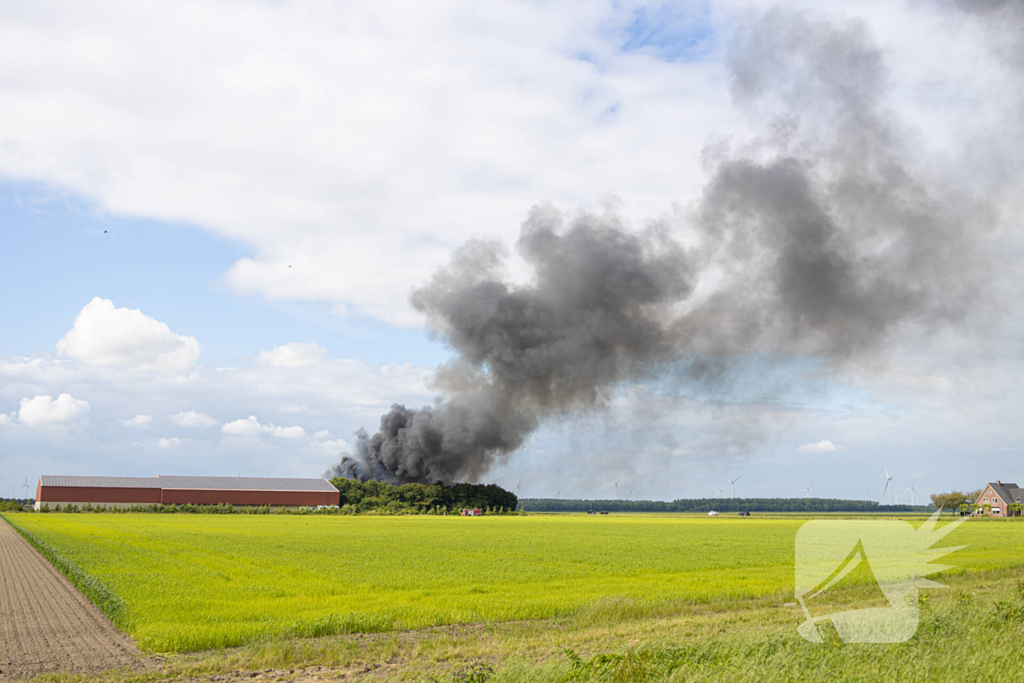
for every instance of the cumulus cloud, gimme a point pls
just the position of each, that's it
(6, 419)
(823, 446)
(453, 129)
(251, 426)
(171, 442)
(140, 421)
(42, 410)
(322, 434)
(126, 338)
(191, 418)
(293, 355)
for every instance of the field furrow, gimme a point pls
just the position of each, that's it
(48, 625)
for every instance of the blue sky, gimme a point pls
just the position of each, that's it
(60, 243)
(193, 237)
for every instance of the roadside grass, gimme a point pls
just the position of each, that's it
(972, 630)
(196, 582)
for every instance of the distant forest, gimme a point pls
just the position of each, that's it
(718, 504)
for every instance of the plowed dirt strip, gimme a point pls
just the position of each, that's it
(46, 625)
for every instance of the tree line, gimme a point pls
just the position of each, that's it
(967, 503)
(382, 497)
(717, 504)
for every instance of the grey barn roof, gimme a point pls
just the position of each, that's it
(101, 482)
(1008, 492)
(187, 482)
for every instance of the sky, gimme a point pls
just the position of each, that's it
(214, 214)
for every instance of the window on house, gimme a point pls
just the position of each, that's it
(984, 500)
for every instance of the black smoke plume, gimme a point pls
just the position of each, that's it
(815, 239)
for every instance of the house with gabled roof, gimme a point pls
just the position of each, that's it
(997, 498)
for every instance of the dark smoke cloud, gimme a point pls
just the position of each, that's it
(594, 316)
(817, 239)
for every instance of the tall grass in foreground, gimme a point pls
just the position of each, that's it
(970, 631)
(960, 638)
(197, 582)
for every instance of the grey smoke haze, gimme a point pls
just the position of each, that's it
(819, 238)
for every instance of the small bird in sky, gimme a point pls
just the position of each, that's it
(104, 232)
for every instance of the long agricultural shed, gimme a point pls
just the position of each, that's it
(54, 490)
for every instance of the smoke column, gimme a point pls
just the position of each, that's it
(815, 239)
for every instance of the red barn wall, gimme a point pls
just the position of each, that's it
(96, 494)
(101, 495)
(213, 496)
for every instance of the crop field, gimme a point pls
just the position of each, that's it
(190, 582)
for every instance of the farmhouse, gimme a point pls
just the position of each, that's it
(997, 499)
(127, 491)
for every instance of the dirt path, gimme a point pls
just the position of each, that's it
(46, 625)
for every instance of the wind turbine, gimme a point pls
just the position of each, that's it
(732, 482)
(913, 493)
(518, 485)
(630, 494)
(25, 486)
(616, 485)
(865, 495)
(559, 494)
(888, 484)
(720, 493)
(808, 490)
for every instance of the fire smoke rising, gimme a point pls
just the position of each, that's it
(816, 239)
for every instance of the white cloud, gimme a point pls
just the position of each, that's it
(126, 338)
(322, 434)
(293, 355)
(330, 449)
(295, 432)
(250, 426)
(273, 119)
(191, 418)
(171, 442)
(470, 114)
(141, 421)
(823, 446)
(6, 419)
(42, 410)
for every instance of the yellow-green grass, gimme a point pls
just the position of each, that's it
(190, 582)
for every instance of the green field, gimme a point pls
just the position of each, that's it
(190, 582)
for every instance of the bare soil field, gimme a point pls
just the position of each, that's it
(46, 625)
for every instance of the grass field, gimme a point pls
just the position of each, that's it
(191, 582)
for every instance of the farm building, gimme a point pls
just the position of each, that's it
(1000, 500)
(127, 491)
